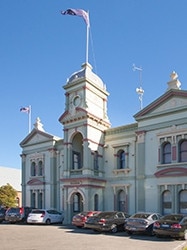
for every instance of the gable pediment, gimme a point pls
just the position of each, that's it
(172, 100)
(36, 136)
(73, 115)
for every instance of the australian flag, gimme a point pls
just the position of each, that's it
(77, 12)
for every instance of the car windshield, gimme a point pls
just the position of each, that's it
(37, 211)
(142, 216)
(173, 217)
(14, 210)
(83, 213)
(105, 215)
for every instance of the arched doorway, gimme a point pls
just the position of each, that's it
(77, 203)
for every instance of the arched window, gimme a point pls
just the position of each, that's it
(183, 151)
(33, 169)
(121, 159)
(40, 168)
(77, 152)
(96, 202)
(183, 202)
(96, 162)
(166, 202)
(166, 153)
(121, 199)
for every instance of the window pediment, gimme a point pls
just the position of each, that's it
(171, 172)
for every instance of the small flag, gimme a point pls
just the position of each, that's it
(77, 12)
(25, 109)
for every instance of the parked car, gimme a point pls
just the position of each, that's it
(45, 216)
(172, 225)
(141, 223)
(17, 214)
(111, 221)
(79, 219)
(2, 214)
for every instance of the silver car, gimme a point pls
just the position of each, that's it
(141, 223)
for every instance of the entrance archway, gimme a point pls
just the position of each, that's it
(77, 205)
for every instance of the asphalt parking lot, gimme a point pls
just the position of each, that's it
(67, 237)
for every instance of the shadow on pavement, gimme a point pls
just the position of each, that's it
(143, 237)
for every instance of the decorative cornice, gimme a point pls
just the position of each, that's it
(80, 180)
(81, 114)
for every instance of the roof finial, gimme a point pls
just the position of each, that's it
(174, 75)
(38, 125)
(174, 83)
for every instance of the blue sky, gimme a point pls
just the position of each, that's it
(40, 49)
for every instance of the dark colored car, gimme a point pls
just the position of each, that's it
(172, 225)
(79, 219)
(2, 214)
(141, 223)
(107, 221)
(17, 214)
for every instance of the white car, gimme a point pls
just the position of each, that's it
(45, 216)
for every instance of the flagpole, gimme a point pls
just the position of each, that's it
(87, 39)
(29, 117)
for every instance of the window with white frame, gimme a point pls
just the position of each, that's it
(37, 168)
(121, 163)
(166, 202)
(183, 151)
(166, 153)
(40, 168)
(183, 202)
(33, 169)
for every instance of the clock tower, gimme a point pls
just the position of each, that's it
(85, 120)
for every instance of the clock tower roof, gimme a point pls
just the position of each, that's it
(86, 72)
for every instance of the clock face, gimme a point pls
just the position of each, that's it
(76, 100)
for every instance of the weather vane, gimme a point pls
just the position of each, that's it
(139, 90)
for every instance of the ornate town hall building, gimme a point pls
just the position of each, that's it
(139, 166)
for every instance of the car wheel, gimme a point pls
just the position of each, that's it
(114, 228)
(150, 231)
(96, 231)
(48, 222)
(159, 236)
(129, 232)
